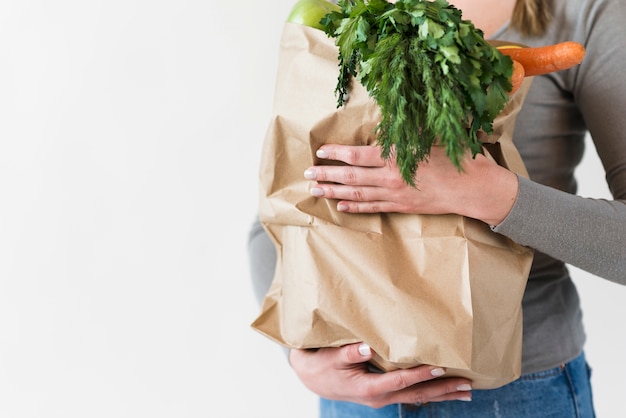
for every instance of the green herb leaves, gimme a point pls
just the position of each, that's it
(433, 75)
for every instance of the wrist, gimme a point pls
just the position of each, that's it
(497, 194)
(504, 199)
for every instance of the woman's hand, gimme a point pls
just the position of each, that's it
(368, 184)
(342, 374)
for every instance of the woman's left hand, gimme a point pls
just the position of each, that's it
(368, 184)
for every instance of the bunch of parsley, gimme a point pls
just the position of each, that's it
(433, 75)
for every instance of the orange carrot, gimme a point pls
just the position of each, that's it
(547, 59)
(518, 76)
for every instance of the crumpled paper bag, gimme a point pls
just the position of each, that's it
(442, 290)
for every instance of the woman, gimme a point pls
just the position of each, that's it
(542, 212)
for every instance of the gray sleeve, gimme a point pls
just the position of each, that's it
(261, 259)
(587, 233)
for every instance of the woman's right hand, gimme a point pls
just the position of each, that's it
(342, 374)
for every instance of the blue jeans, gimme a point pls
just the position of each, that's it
(562, 392)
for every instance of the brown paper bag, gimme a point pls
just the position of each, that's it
(439, 290)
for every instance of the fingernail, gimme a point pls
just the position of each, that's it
(465, 399)
(464, 387)
(341, 207)
(310, 174)
(365, 350)
(437, 372)
(321, 153)
(317, 192)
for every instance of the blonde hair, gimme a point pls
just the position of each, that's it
(531, 17)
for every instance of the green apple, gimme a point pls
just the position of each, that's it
(311, 12)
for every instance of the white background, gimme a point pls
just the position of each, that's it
(130, 133)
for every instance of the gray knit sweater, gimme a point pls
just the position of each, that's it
(564, 228)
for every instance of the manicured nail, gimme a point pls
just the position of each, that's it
(321, 153)
(365, 350)
(464, 387)
(465, 399)
(310, 174)
(342, 207)
(437, 372)
(317, 192)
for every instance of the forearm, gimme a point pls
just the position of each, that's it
(586, 233)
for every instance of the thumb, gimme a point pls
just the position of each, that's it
(356, 353)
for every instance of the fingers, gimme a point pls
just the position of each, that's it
(359, 189)
(351, 193)
(365, 167)
(360, 160)
(463, 393)
(343, 374)
(428, 389)
(419, 384)
(365, 156)
(356, 353)
(359, 199)
(349, 175)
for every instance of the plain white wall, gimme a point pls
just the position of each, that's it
(129, 142)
